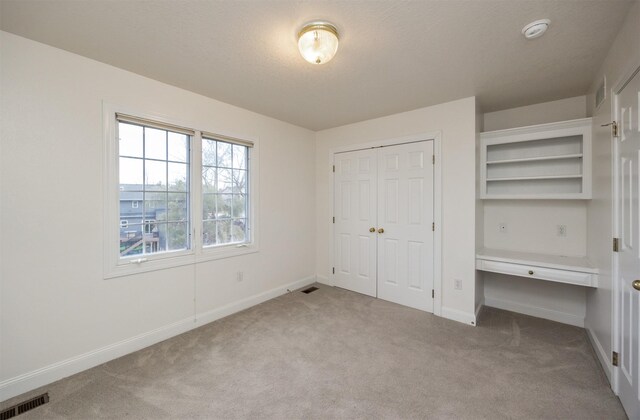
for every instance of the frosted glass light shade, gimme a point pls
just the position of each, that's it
(318, 42)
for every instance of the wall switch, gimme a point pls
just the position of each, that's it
(502, 227)
(240, 276)
(457, 284)
(562, 230)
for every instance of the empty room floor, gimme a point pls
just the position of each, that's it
(338, 354)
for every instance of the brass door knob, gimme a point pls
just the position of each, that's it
(372, 230)
(636, 284)
(380, 230)
(531, 272)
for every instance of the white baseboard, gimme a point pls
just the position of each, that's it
(456, 315)
(603, 357)
(522, 308)
(241, 305)
(324, 280)
(31, 380)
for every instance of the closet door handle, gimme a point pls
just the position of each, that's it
(380, 230)
(372, 229)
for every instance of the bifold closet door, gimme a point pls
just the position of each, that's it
(405, 217)
(355, 205)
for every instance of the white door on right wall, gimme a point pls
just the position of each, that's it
(628, 112)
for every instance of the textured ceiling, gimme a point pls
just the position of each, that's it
(394, 56)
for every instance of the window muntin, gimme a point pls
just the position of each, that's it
(225, 193)
(153, 169)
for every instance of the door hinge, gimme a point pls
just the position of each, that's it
(614, 358)
(334, 168)
(433, 226)
(614, 128)
(333, 270)
(433, 159)
(616, 245)
(433, 294)
(334, 219)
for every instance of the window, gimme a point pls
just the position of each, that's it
(179, 195)
(154, 169)
(225, 193)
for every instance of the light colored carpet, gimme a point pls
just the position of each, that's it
(338, 354)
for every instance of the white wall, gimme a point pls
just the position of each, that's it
(623, 55)
(479, 209)
(532, 227)
(456, 121)
(58, 314)
(546, 112)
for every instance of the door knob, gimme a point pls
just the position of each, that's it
(380, 230)
(372, 230)
(636, 284)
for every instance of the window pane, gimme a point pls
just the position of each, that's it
(209, 233)
(155, 175)
(131, 240)
(130, 172)
(208, 152)
(153, 202)
(177, 177)
(223, 206)
(177, 236)
(130, 140)
(155, 144)
(209, 207)
(225, 182)
(239, 206)
(208, 180)
(155, 238)
(223, 231)
(239, 181)
(177, 211)
(177, 145)
(224, 155)
(239, 157)
(238, 230)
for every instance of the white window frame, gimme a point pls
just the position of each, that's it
(114, 265)
(124, 223)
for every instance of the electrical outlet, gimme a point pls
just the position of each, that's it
(502, 227)
(457, 284)
(562, 230)
(240, 276)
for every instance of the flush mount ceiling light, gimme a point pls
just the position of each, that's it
(536, 29)
(318, 42)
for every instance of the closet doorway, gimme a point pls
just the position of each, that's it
(384, 222)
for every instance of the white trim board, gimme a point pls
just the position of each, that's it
(550, 314)
(456, 315)
(603, 358)
(43, 376)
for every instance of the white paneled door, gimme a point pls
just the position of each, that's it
(384, 223)
(628, 205)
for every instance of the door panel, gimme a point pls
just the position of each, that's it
(355, 213)
(405, 212)
(628, 104)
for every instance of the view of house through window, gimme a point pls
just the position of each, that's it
(224, 188)
(154, 190)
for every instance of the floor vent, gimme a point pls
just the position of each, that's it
(309, 290)
(24, 407)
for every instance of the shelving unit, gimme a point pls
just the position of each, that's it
(547, 161)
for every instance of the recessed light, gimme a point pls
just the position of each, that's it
(536, 29)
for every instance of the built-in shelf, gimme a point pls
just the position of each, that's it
(533, 159)
(522, 178)
(547, 161)
(555, 268)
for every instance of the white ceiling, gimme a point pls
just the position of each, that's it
(394, 56)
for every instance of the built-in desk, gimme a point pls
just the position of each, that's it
(570, 270)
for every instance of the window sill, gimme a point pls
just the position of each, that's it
(190, 258)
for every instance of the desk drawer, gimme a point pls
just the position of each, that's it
(541, 273)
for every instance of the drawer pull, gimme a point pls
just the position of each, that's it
(531, 272)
